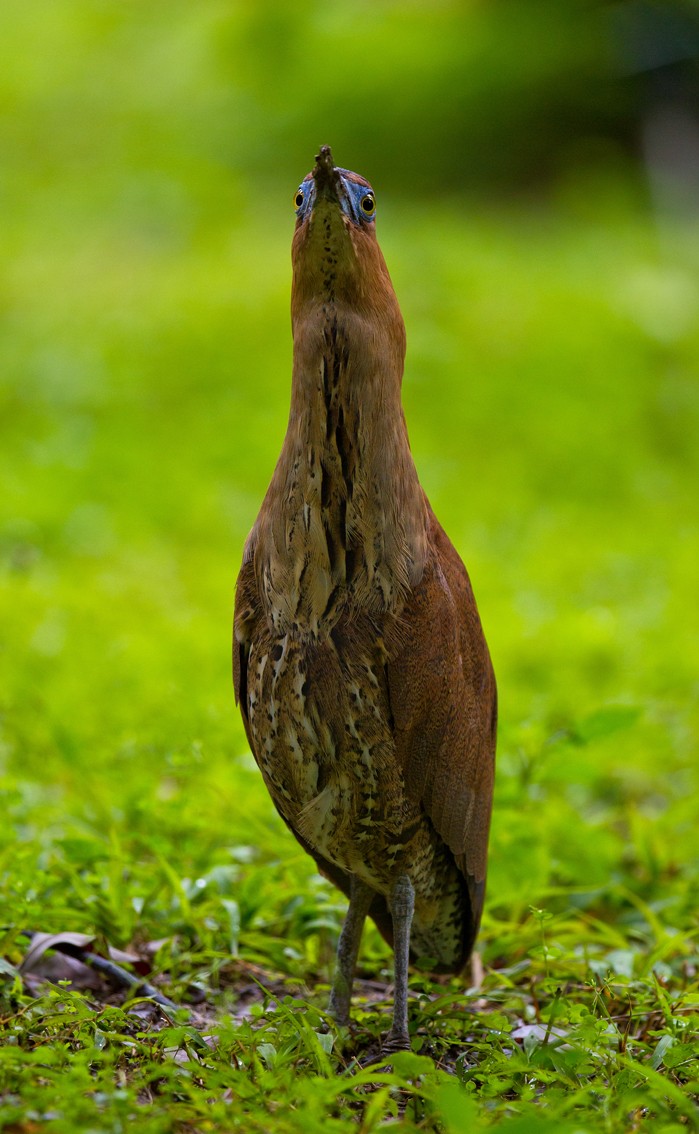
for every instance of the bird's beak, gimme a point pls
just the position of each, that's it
(331, 197)
(327, 178)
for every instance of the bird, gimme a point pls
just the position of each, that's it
(360, 666)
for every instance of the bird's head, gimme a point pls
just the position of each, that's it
(335, 254)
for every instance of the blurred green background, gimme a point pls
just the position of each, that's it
(535, 165)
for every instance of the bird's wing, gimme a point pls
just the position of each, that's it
(444, 705)
(247, 615)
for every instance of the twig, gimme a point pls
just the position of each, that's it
(119, 975)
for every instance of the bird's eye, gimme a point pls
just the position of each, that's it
(368, 204)
(298, 199)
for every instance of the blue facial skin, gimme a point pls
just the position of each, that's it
(351, 200)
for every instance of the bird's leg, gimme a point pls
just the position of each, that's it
(402, 904)
(347, 950)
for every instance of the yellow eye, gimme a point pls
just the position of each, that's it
(298, 199)
(368, 204)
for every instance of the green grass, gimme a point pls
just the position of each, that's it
(553, 408)
(553, 416)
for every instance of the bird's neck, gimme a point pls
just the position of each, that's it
(344, 520)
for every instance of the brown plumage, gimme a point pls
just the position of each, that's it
(360, 665)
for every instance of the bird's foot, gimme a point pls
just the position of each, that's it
(395, 1041)
(339, 1008)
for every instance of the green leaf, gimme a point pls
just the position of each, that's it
(457, 1109)
(411, 1066)
(661, 1048)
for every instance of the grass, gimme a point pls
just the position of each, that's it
(552, 402)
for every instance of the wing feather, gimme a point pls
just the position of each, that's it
(443, 699)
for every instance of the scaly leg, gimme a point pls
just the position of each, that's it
(347, 950)
(402, 904)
